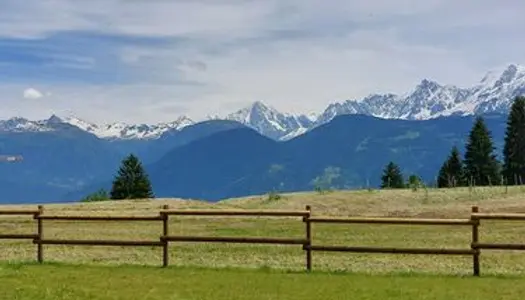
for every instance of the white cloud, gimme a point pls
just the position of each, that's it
(297, 55)
(32, 93)
(36, 18)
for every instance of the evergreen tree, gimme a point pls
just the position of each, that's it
(451, 173)
(481, 165)
(514, 148)
(414, 182)
(131, 182)
(392, 177)
(443, 180)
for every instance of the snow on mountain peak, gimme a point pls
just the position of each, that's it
(269, 121)
(78, 122)
(428, 99)
(495, 91)
(18, 124)
(117, 130)
(510, 74)
(122, 130)
(503, 75)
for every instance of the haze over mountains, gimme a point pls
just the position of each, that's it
(257, 148)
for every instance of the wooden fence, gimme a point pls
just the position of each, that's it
(306, 242)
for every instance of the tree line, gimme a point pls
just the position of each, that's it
(479, 166)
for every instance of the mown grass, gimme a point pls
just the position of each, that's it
(454, 203)
(56, 282)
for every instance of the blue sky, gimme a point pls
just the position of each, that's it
(152, 61)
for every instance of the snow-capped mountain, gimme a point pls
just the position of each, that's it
(130, 131)
(429, 99)
(108, 131)
(494, 93)
(18, 124)
(270, 122)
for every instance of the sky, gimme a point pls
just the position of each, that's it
(151, 61)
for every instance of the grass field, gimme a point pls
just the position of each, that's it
(434, 203)
(57, 282)
(238, 271)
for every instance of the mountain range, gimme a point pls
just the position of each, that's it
(427, 100)
(352, 150)
(256, 149)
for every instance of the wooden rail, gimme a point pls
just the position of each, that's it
(100, 218)
(18, 212)
(18, 236)
(499, 246)
(387, 250)
(391, 221)
(242, 240)
(217, 212)
(306, 242)
(99, 243)
(509, 217)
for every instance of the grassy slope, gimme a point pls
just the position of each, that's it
(69, 282)
(435, 203)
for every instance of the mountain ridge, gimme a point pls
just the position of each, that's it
(427, 100)
(218, 159)
(244, 162)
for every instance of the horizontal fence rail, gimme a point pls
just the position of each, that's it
(18, 236)
(98, 242)
(18, 212)
(244, 240)
(499, 246)
(306, 242)
(510, 217)
(216, 212)
(99, 218)
(391, 221)
(387, 250)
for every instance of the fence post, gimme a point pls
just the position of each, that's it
(308, 245)
(40, 233)
(165, 253)
(475, 240)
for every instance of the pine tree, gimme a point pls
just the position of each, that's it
(443, 179)
(481, 165)
(131, 182)
(451, 173)
(514, 148)
(392, 177)
(414, 182)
